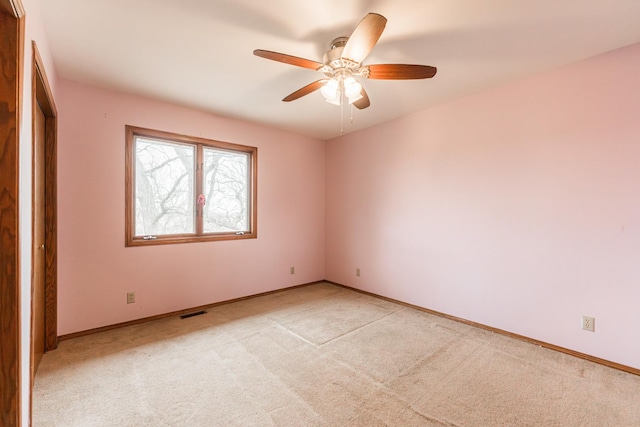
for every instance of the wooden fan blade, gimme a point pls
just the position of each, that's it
(288, 59)
(363, 102)
(311, 87)
(400, 71)
(364, 37)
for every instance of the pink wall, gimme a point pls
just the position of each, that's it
(517, 208)
(96, 270)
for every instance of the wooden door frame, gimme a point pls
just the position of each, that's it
(41, 95)
(11, 76)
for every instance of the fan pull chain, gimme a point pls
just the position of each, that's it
(351, 119)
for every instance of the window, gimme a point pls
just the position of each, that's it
(184, 189)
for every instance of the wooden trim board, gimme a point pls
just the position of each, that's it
(543, 344)
(11, 84)
(177, 313)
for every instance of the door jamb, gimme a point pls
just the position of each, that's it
(41, 95)
(11, 79)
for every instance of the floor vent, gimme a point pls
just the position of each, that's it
(197, 313)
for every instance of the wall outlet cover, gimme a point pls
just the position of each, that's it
(588, 323)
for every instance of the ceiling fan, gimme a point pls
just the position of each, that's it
(343, 62)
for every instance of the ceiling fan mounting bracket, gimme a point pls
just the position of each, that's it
(339, 42)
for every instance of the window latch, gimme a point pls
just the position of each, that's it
(149, 238)
(240, 233)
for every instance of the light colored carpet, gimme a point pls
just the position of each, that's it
(322, 355)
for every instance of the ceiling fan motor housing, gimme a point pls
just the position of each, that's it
(334, 64)
(339, 42)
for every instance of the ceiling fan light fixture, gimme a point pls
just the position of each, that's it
(351, 87)
(331, 89)
(335, 101)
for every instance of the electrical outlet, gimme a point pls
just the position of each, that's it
(588, 323)
(131, 297)
(358, 272)
(292, 270)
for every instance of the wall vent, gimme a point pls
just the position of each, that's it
(197, 313)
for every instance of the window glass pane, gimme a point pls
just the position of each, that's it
(164, 188)
(226, 189)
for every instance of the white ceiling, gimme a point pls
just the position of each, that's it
(198, 53)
